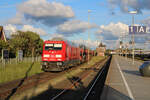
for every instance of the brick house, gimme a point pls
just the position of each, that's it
(101, 50)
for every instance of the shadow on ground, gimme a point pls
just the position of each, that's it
(110, 93)
(51, 92)
(94, 69)
(78, 93)
(76, 81)
(133, 72)
(20, 83)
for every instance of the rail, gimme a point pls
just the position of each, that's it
(100, 77)
(96, 88)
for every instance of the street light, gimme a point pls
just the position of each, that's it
(126, 45)
(133, 12)
(88, 34)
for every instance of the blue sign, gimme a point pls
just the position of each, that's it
(5, 54)
(137, 30)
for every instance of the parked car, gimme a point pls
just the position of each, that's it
(145, 69)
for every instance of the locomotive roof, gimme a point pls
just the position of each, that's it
(60, 41)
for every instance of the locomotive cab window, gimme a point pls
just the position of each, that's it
(57, 46)
(51, 46)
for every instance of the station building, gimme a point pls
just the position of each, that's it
(101, 50)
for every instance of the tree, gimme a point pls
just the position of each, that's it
(29, 42)
(3, 45)
(121, 42)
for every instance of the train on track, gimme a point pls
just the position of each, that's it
(59, 55)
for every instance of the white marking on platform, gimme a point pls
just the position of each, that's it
(125, 82)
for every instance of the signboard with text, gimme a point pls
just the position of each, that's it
(5, 54)
(20, 54)
(138, 29)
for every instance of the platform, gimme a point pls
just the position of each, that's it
(124, 81)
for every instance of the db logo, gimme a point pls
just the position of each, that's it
(52, 56)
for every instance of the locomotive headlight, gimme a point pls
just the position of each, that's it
(46, 55)
(58, 56)
(59, 63)
(44, 63)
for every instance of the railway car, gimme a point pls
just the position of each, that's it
(59, 55)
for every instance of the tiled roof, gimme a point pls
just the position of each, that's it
(2, 34)
(1, 29)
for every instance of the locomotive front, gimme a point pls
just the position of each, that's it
(53, 55)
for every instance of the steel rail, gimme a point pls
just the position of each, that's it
(82, 78)
(100, 73)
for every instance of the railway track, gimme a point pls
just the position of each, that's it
(9, 89)
(101, 75)
(17, 86)
(95, 90)
(20, 85)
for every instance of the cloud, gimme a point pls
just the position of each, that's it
(146, 21)
(88, 43)
(127, 5)
(56, 35)
(140, 39)
(112, 31)
(74, 27)
(11, 29)
(47, 13)
(111, 35)
(36, 30)
(112, 44)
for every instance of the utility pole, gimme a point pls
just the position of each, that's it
(133, 44)
(126, 46)
(88, 34)
(133, 39)
(122, 49)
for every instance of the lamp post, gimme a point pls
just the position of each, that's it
(88, 34)
(126, 46)
(133, 12)
(122, 49)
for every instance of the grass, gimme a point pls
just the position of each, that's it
(43, 87)
(16, 71)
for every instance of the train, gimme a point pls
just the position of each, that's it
(59, 55)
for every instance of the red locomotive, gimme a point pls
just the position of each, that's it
(60, 54)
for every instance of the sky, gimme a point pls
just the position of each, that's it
(81, 21)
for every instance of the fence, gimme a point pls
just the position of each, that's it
(4, 62)
(11, 69)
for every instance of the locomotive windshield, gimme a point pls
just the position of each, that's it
(51, 46)
(57, 46)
